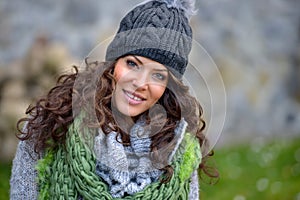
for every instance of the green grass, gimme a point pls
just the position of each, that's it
(4, 180)
(255, 171)
(258, 170)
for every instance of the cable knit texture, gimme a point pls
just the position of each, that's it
(158, 30)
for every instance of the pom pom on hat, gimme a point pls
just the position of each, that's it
(188, 6)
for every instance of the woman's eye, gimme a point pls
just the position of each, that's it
(131, 63)
(159, 76)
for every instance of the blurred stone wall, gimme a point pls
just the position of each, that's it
(23, 81)
(255, 44)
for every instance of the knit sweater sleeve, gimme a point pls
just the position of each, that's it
(194, 187)
(23, 185)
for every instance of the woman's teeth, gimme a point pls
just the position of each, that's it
(133, 97)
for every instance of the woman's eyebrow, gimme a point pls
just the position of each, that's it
(161, 70)
(141, 63)
(138, 60)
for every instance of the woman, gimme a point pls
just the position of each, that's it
(126, 128)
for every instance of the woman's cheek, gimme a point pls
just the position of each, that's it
(158, 91)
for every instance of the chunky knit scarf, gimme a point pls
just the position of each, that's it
(70, 171)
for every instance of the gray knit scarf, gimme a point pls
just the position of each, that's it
(129, 169)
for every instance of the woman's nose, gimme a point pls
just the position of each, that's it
(141, 81)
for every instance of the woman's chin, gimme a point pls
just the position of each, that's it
(130, 112)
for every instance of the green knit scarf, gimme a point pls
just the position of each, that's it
(69, 172)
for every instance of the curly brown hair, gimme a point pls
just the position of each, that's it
(48, 119)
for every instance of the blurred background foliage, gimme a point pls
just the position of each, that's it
(255, 45)
(264, 170)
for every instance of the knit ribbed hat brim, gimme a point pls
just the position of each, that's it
(163, 45)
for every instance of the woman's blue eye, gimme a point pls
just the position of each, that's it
(159, 76)
(131, 63)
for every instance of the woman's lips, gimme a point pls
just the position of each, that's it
(132, 98)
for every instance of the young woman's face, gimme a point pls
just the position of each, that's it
(140, 84)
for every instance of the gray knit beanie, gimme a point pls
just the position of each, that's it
(156, 29)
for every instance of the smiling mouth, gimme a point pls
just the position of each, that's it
(133, 96)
